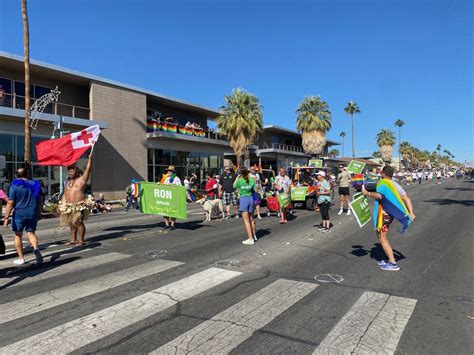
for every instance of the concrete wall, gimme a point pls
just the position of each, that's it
(121, 153)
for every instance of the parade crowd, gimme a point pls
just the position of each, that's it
(243, 194)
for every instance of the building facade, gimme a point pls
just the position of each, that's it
(127, 149)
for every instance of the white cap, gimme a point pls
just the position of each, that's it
(322, 173)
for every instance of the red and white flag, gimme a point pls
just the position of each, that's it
(68, 149)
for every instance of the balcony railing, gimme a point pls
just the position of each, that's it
(153, 127)
(288, 148)
(55, 108)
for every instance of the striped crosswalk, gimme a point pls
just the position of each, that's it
(375, 321)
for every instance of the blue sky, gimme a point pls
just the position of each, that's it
(407, 59)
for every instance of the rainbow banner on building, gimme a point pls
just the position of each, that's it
(392, 204)
(200, 133)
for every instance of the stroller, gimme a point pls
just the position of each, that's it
(273, 205)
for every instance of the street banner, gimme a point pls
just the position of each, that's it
(316, 163)
(284, 200)
(165, 200)
(360, 209)
(299, 193)
(356, 167)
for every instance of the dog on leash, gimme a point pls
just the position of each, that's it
(211, 205)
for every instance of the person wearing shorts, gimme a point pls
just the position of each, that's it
(390, 264)
(228, 192)
(26, 203)
(343, 179)
(245, 186)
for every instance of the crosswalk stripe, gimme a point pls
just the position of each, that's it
(82, 264)
(374, 323)
(9, 262)
(46, 300)
(85, 330)
(225, 331)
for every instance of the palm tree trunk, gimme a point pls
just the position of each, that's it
(352, 124)
(26, 49)
(399, 141)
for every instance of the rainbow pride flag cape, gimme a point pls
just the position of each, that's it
(391, 203)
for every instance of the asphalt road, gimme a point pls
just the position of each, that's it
(134, 290)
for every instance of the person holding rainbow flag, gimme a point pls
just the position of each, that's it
(391, 202)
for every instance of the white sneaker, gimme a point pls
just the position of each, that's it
(255, 237)
(19, 261)
(341, 211)
(348, 212)
(259, 217)
(237, 216)
(248, 242)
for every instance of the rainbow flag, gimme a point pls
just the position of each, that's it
(200, 133)
(357, 180)
(172, 128)
(136, 189)
(392, 204)
(152, 126)
(185, 130)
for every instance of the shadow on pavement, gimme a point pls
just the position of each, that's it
(18, 274)
(458, 189)
(447, 201)
(191, 225)
(376, 253)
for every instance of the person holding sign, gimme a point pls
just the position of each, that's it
(324, 200)
(282, 185)
(245, 186)
(384, 218)
(171, 179)
(344, 195)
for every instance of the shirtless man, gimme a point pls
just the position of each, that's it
(74, 206)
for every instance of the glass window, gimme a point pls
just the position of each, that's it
(40, 91)
(19, 88)
(6, 146)
(163, 157)
(6, 84)
(150, 156)
(150, 173)
(275, 139)
(180, 159)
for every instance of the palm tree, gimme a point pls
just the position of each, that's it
(351, 109)
(399, 123)
(405, 150)
(333, 153)
(377, 154)
(438, 148)
(386, 140)
(26, 50)
(241, 121)
(342, 135)
(313, 121)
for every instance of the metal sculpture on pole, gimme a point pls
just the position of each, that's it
(40, 105)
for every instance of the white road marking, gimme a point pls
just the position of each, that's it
(9, 262)
(46, 300)
(80, 264)
(225, 331)
(374, 324)
(85, 330)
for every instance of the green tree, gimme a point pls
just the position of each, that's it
(241, 121)
(26, 52)
(386, 140)
(313, 121)
(342, 135)
(376, 154)
(399, 123)
(351, 109)
(333, 153)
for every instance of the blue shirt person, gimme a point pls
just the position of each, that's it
(24, 206)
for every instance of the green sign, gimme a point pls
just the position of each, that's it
(316, 163)
(165, 200)
(299, 193)
(284, 200)
(360, 209)
(355, 167)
